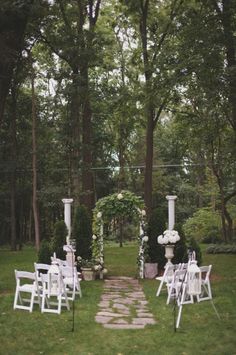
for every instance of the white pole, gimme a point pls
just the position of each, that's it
(171, 211)
(67, 216)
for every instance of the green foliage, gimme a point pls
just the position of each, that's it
(221, 249)
(45, 252)
(194, 246)
(180, 252)
(205, 223)
(59, 239)
(112, 206)
(156, 226)
(82, 232)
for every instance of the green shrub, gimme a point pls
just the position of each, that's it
(203, 225)
(221, 249)
(194, 246)
(180, 251)
(45, 252)
(156, 226)
(59, 239)
(82, 232)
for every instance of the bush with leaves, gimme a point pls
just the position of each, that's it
(82, 232)
(45, 252)
(180, 252)
(59, 239)
(194, 246)
(205, 223)
(221, 249)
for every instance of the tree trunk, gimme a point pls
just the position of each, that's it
(34, 166)
(228, 13)
(149, 164)
(229, 224)
(149, 110)
(13, 18)
(121, 232)
(75, 129)
(13, 170)
(87, 197)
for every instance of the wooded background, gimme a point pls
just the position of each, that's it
(100, 96)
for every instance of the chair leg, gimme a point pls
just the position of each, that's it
(79, 290)
(32, 302)
(159, 288)
(179, 316)
(16, 298)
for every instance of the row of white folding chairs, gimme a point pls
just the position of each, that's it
(71, 279)
(62, 285)
(179, 289)
(174, 277)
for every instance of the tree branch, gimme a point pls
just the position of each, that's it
(227, 198)
(66, 22)
(55, 50)
(161, 107)
(173, 13)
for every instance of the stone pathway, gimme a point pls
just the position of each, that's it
(123, 305)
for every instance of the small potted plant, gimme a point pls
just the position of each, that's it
(87, 268)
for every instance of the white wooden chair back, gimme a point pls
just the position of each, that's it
(26, 284)
(166, 278)
(71, 281)
(177, 289)
(206, 293)
(54, 294)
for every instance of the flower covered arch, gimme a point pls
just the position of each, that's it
(123, 204)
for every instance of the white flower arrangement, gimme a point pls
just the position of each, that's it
(168, 237)
(94, 237)
(119, 196)
(99, 215)
(143, 212)
(145, 238)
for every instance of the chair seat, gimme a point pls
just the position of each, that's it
(27, 288)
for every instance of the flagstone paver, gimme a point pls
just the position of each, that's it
(123, 305)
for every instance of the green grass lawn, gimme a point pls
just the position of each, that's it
(200, 331)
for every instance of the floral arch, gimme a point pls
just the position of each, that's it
(123, 204)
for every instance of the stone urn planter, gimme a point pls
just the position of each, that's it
(169, 253)
(88, 273)
(150, 270)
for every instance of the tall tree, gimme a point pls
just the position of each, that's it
(14, 17)
(156, 29)
(34, 162)
(74, 41)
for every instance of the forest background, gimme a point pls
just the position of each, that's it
(100, 96)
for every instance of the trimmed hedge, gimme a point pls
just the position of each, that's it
(82, 232)
(221, 249)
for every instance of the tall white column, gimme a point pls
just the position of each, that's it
(67, 216)
(171, 211)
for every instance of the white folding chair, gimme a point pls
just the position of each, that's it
(177, 289)
(206, 293)
(166, 278)
(54, 294)
(71, 281)
(60, 262)
(26, 284)
(40, 268)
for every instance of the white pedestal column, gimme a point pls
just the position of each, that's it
(171, 211)
(67, 216)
